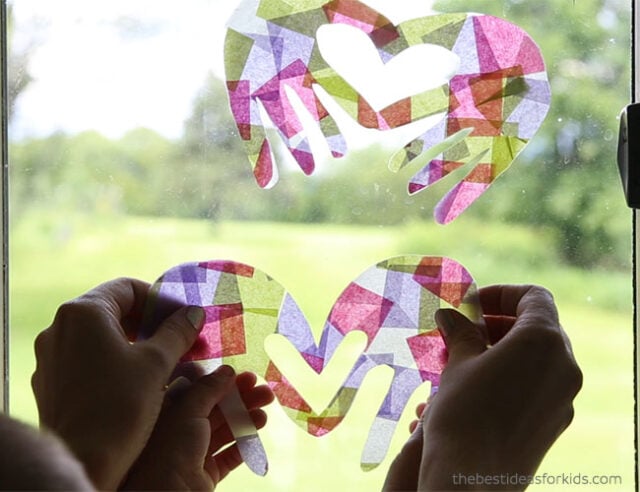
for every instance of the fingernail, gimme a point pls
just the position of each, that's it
(445, 322)
(225, 371)
(195, 315)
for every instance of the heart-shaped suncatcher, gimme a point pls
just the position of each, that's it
(393, 303)
(491, 107)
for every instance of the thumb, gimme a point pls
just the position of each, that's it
(176, 334)
(461, 336)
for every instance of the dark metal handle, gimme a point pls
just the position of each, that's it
(629, 154)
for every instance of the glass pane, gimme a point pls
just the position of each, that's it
(125, 160)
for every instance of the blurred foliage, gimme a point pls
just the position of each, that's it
(565, 182)
(17, 60)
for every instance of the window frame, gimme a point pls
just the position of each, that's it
(4, 238)
(635, 95)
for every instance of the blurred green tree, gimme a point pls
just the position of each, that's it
(70, 173)
(210, 176)
(145, 154)
(18, 76)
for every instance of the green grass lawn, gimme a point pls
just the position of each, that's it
(54, 260)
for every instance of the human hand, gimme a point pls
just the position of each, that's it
(32, 460)
(504, 397)
(183, 452)
(100, 393)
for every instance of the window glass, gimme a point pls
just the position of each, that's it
(125, 160)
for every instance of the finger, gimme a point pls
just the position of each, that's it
(514, 300)
(105, 305)
(176, 389)
(199, 400)
(534, 309)
(497, 327)
(219, 465)
(420, 409)
(260, 396)
(245, 381)
(501, 300)
(121, 297)
(461, 336)
(253, 396)
(421, 413)
(175, 335)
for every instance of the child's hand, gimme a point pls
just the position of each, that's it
(184, 450)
